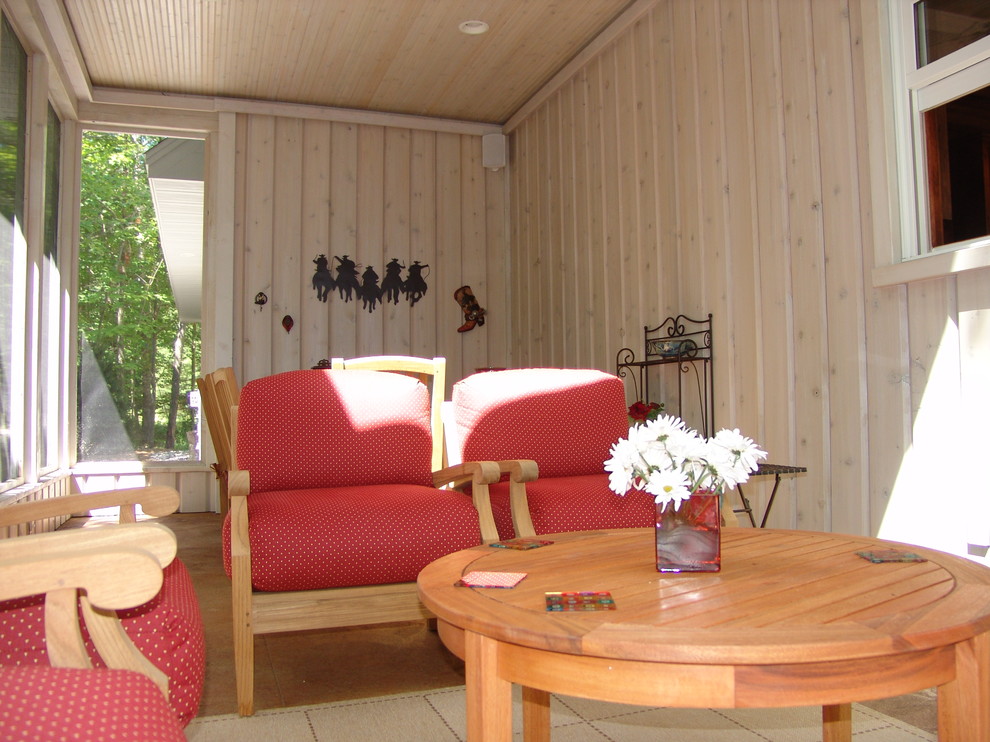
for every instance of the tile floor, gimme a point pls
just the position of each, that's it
(343, 664)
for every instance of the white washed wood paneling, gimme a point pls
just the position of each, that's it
(722, 156)
(380, 55)
(373, 193)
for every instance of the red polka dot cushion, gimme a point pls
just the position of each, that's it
(582, 503)
(365, 535)
(47, 703)
(564, 419)
(322, 428)
(168, 630)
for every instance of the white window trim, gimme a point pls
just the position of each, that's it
(914, 92)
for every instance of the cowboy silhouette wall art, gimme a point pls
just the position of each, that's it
(392, 285)
(366, 288)
(322, 279)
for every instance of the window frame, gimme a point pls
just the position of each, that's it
(918, 90)
(18, 310)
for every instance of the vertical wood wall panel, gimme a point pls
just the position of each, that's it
(474, 350)
(369, 336)
(425, 323)
(772, 247)
(718, 157)
(286, 297)
(397, 237)
(372, 193)
(343, 235)
(259, 249)
(496, 257)
(442, 284)
(843, 243)
(314, 322)
(802, 180)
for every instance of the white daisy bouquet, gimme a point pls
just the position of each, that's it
(672, 462)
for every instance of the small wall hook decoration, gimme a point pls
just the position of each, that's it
(261, 298)
(473, 313)
(287, 322)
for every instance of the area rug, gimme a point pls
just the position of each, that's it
(439, 716)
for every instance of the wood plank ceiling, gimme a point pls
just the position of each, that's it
(397, 56)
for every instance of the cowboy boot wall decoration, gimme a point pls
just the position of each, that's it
(473, 313)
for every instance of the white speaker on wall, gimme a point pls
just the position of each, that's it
(494, 150)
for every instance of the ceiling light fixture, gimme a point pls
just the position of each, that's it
(473, 28)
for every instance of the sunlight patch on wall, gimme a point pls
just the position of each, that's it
(940, 499)
(929, 496)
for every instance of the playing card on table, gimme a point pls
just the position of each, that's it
(491, 579)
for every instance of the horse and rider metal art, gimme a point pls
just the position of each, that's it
(343, 274)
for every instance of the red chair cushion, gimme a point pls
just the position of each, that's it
(582, 503)
(168, 630)
(320, 428)
(564, 419)
(367, 535)
(48, 703)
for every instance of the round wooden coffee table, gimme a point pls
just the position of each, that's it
(793, 619)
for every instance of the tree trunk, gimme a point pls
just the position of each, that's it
(150, 398)
(173, 403)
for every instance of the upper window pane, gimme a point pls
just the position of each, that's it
(13, 108)
(957, 148)
(944, 26)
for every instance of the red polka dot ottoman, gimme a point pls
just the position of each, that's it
(47, 703)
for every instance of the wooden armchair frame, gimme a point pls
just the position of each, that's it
(156, 501)
(115, 568)
(257, 613)
(91, 564)
(219, 392)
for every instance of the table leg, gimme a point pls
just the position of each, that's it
(536, 715)
(746, 508)
(963, 712)
(837, 723)
(489, 697)
(773, 494)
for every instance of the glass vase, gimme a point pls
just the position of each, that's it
(689, 538)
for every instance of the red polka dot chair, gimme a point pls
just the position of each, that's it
(92, 683)
(335, 505)
(564, 420)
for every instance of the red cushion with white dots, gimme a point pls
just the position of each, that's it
(583, 503)
(324, 428)
(168, 630)
(564, 419)
(370, 535)
(48, 703)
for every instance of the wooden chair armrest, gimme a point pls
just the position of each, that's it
(520, 470)
(239, 482)
(103, 570)
(153, 538)
(156, 500)
(116, 573)
(479, 474)
(470, 472)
